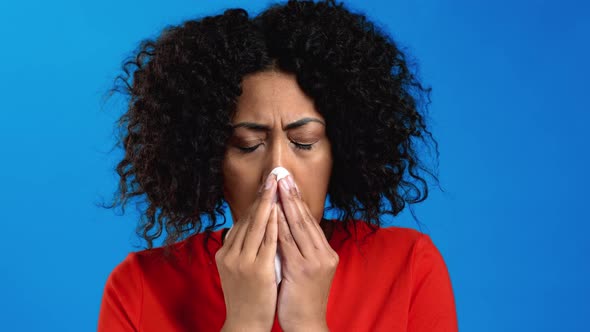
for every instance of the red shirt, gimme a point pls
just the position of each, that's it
(396, 280)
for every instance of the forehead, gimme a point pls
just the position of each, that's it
(268, 94)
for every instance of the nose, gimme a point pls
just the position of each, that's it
(277, 155)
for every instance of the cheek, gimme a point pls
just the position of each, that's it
(229, 173)
(239, 185)
(315, 188)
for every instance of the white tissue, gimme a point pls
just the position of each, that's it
(280, 172)
(278, 273)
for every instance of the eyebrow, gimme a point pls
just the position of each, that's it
(260, 127)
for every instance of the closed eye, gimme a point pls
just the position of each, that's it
(303, 146)
(248, 149)
(297, 145)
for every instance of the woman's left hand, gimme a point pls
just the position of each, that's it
(308, 264)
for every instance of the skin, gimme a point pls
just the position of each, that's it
(274, 99)
(274, 118)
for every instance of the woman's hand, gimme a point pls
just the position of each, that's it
(246, 265)
(308, 264)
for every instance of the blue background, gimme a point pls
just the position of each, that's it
(509, 110)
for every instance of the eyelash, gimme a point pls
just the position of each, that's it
(297, 145)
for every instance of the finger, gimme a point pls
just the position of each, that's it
(268, 247)
(226, 237)
(256, 228)
(287, 243)
(232, 233)
(236, 238)
(299, 223)
(311, 226)
(318, 235)
(315, 233)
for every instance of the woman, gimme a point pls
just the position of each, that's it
(216, 105)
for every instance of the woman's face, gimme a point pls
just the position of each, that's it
(279, 126)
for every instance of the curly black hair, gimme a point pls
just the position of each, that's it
(183, 86)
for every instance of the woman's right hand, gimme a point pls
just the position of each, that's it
(246, 265)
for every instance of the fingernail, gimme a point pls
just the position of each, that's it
(268, 183)
(292, 183)
(271, 177)
(284, 182)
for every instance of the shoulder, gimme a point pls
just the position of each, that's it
(397, 243)
(420, 246)
(122, 296)
(180, 255)
(417, 251)
(395, 237)
(126, 279)
(388, 238)
(125, 273)
(400, 234)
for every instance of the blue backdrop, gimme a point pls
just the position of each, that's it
(509, 110)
